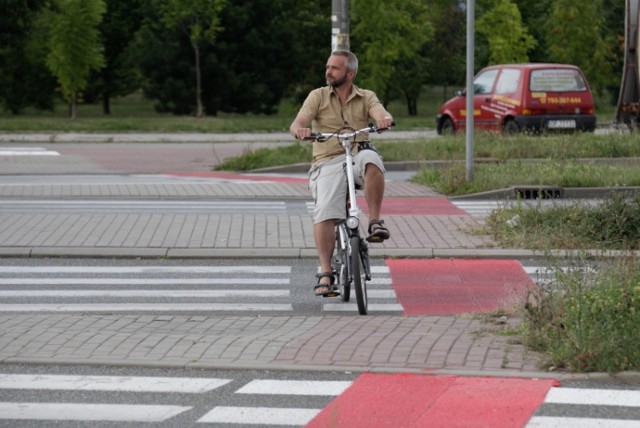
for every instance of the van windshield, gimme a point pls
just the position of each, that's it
(557, 80)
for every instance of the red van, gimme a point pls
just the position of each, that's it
(524, 97)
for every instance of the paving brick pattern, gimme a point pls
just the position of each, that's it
(442, 343)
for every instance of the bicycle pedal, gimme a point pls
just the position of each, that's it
(334, 293)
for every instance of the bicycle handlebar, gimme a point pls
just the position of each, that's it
(322, 137)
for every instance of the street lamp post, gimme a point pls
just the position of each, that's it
(339, 24)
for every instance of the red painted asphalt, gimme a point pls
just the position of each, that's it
(416, 206)
(414, 400)
(451, 286)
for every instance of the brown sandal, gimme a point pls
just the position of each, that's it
(330, 292)
(379, 233)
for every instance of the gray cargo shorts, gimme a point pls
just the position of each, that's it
(328, 184)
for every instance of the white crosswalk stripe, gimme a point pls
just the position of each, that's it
(381, 296)
(580, 399)
(294, 387)
(259, 416)
(482, 208)
(144, 288)
(99, 400)
(88, 412)
(27, 151)
(477, 208)
(111, 383)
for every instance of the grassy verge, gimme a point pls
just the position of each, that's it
(587, 320)
(583, 319)
(501, 170)
(452, 180)
(614, 224)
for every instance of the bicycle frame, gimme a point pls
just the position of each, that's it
(352, 222)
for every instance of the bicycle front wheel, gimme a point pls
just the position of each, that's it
(359, 276)
(342, 264)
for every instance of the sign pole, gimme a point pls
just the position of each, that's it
(339, 24)
(470, 88)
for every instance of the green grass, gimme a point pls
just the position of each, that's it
(133, 113)
(587, 320)
(570, 173)
(614, 224)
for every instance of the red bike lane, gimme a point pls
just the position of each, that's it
(428, 287)
(418, 401)
(407, 400)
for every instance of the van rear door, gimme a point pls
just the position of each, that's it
(561, 92)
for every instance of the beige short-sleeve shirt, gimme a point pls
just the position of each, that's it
(327, 115)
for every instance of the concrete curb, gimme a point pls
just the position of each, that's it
(304, 253)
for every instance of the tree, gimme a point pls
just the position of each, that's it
(267, 49)
(200, 21)
(387, 34)
(508, 39)
(446, 52)
(574, 36)
(535, 14)
(24, 78)
(119, 76)
(74, 45)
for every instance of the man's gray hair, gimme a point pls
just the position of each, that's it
(352, 60)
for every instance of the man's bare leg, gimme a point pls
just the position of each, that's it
(325, 238)
(373, 190)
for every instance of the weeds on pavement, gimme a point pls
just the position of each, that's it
(585, 319)
(613, 224)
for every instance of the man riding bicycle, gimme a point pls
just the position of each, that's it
(329, 109)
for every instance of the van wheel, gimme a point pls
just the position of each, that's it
(510, 127)
(447, 127)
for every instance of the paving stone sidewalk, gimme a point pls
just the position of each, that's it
(446, 344)
(436, 344)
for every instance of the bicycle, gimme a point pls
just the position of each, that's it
(351, 252)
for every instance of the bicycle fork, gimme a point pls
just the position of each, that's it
(344, 235)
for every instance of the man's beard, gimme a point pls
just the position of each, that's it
(337, 82)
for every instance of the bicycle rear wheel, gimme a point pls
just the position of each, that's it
(359, 276)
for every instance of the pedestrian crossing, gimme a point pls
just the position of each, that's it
(99, 399)
(572, 407)
(186, 289)
(243, 399)
(167, 289)
(171, 289)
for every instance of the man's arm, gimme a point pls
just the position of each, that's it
(300, 127)
(382, 117)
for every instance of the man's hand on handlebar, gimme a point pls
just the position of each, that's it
(302, 133)
(384, 123)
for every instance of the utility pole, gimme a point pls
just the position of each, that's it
(339, 24)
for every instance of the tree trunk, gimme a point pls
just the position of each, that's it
(412, 105)
(199, 107)
(106, 103)
(73, 106)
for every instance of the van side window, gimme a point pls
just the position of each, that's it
(557, 80)
(508, 81)
(483, 83)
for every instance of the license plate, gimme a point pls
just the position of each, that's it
(562, 124)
